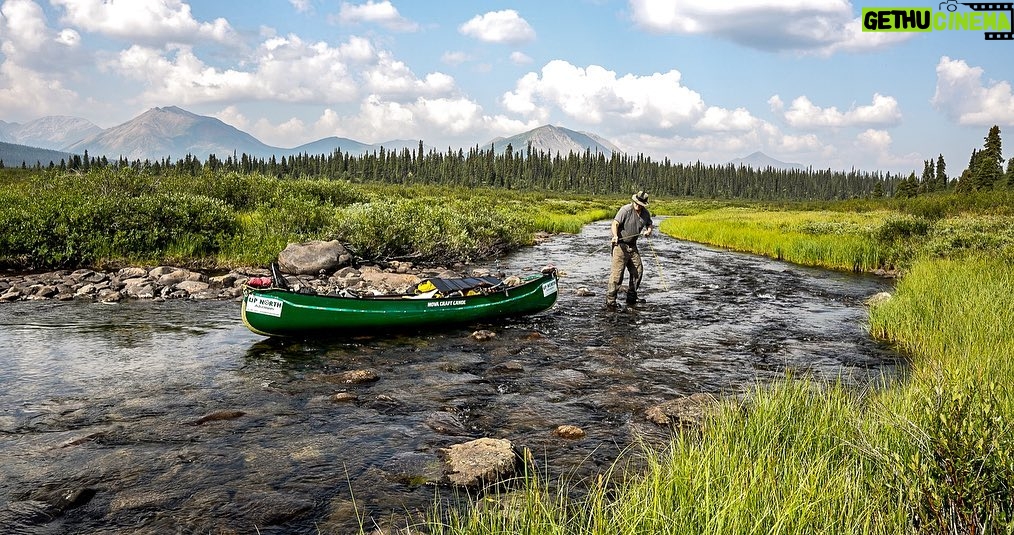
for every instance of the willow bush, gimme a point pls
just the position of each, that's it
(50, 228)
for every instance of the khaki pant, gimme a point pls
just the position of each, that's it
(625, 257)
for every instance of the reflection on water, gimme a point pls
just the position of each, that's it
(99, 401)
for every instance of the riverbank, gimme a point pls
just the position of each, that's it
(162, 283)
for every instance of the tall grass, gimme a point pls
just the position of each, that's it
(955, 317)
(828, 239)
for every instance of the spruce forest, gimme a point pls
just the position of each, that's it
(590, 173)
(585, 173)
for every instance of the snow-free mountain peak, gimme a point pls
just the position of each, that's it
(553, 140)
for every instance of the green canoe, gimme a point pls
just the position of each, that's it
(281, 312)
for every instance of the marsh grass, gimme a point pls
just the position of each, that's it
(835, 240)
(847, 240)
(954, 317)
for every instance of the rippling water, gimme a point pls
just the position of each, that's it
(99, 401)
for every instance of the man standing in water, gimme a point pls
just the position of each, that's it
(631, 221)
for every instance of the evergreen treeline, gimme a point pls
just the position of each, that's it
(985, 172)
(591, 173)
(587, 173)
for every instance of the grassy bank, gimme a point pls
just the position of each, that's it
(930, 453)
(865, 240)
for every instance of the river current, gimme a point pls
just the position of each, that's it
(100, 404)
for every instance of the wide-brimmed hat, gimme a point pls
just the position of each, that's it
(640, 198)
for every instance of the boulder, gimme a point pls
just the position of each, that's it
(139, 287)
(309, 258)
(155, 273)
(687, 411)
(480, 461)
(132, 273)
(174, 277)
(192, 287)
(878, 299)
(570, 432)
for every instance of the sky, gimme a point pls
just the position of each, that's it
(687, 80)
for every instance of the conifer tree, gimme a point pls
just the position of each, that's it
(988, 171)
(928, 182)
(941, 178)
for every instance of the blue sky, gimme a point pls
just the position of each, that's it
(684, 79)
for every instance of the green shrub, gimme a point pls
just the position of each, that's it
(51, 228)
(902, 228)
(960, 476)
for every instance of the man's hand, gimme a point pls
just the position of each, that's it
(615, 240)
(646, 232)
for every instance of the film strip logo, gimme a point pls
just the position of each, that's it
(989, 6)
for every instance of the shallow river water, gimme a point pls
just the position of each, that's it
(99, 404)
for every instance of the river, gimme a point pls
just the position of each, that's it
(99, 427)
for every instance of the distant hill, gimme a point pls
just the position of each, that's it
(328, 146)
(5, 129)
(171, 132)
(554, 139)
(759, 160)
(13, 155)
(53, 132)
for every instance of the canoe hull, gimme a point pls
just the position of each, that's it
(277, 312)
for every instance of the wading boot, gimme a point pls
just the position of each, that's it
(632, 299)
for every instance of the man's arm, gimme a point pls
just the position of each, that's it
(616, 231)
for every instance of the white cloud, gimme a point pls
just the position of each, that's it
(454, 58)
(499, 27)
(814, 26)
(390, 77)
(852, 38)
(27, 95)
(804, 114)
(27, 40)
(382, 13)
(874, 140)
(301, 6)
(592, 95)
(233, 117)
(284, 69)
(723, 120)
(37, 62)
(776, 103)
(520, 58)
(961, 95)
(721, 147)
(146, 21)
(876, 146)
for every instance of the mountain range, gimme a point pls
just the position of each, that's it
(171, 132)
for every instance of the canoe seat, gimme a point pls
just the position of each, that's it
(464, 286)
